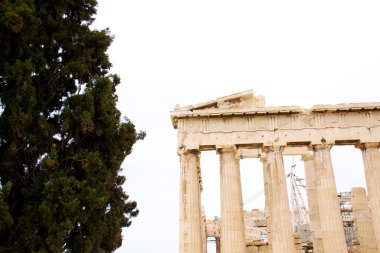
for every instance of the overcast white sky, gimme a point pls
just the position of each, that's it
(175, 51)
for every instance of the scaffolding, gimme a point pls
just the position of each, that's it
(344, 199)
(300, 215)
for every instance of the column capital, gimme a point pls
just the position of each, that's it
(263, 157)
(366, 145)
(307, 157)
(226, 149)
(273, 148)
(186, 151)
(320, 147)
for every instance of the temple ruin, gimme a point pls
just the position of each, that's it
(241, 126)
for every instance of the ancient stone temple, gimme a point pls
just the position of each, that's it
(240, 126)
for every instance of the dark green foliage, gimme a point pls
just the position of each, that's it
(61, 138)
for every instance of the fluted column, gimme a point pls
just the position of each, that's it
(232, 231)
(371, 159)
(280, 224)
(203, 230)
(329, 212)
(268, 201)
(217, 244)
(363, 221)
(190, 239)
(315, 224)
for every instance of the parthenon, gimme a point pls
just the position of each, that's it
(241, 126)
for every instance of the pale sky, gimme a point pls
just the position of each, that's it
(170, 52)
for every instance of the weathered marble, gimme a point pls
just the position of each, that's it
(241, 126)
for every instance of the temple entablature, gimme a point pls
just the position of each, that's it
(246, 122)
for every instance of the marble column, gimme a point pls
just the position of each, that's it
(203, 230)
(371, 159)
(282, 239)
(190, 240)
(267, 199)
(217, 244)
(363, 221)
(329, 211)
(315, 224)
(232, 230)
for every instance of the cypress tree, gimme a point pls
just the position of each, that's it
(62, 139)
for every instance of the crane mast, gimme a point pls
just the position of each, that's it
(300, 216)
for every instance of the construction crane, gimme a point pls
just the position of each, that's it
(300, 216)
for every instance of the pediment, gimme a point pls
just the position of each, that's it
(237, 102)
(241, 100)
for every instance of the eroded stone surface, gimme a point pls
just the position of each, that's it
(241, 122)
